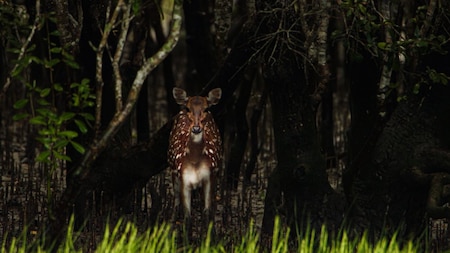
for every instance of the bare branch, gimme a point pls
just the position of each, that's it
(386, 72)
(318, 50)
(99, 66)
(118, 56)
(118, 119)
(322, 33)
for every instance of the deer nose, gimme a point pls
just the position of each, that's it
(196, 129)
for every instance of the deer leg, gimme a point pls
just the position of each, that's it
(177, 211)
(208, 212)
(207, 195)
(186, 192)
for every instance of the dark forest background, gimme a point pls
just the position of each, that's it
(333, 112)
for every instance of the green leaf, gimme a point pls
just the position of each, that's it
(85, 82)
(78, 147)
(75, 100)
(31, 48)
(19, 104)
(43, 156)
(44, 92)
(61, 144)
(87, 116)
(72, 64)
(68, 133)
(136, 6)
(47, 142)
(38, 120)
(18, 70)
(13, 50)
(416, 88)
(421, 43)
(362, 8)
(45, 132)
(55, 32)
(67, 116)
(42, 102)
(81, 126)
(58, 87)
(61, 156)
(44, 111)
(56, 50)
(51, 63)
(68, 56)
(20, 116)
(35, 59)
(382, 45)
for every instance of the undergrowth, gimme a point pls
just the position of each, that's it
(125, 237)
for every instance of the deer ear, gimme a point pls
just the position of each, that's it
(180, 96)
(214, 96)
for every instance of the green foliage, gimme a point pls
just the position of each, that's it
(44, 105)
(368, 27)
(431, 76)
(249, 242)
(393, 43)
(136, 6)
(51, 123)
(40, 106)
(126, 237)
(280, 238)
(13, 23)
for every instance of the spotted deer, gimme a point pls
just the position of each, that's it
(195, 149)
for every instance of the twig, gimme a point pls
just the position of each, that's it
(118, 56)
(99, 66)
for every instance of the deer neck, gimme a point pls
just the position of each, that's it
(196, 139)
(195, 147)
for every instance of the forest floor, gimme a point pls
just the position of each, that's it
(27, 189)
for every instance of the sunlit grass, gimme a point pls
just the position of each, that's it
(125, 237)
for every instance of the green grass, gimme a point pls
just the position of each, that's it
(125, 237)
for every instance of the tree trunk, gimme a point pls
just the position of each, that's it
(239, 141)
(394, 187)
(298, 187)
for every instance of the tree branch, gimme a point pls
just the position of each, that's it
(430, 14)
(118, 56)
(322, 43)
(82, 170)
(386, 72)
(99, 66)
(65, 25)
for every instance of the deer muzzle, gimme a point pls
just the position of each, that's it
(196, 129)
